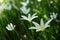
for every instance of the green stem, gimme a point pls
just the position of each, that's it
(17, 34)
(28, 33)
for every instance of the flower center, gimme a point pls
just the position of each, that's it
(41, 28)
(30, 20)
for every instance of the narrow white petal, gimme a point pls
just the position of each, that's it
(27, 1)
(23, 3)
(32, 28)
(8, 7)
(51, 16)
(48, 21)
(42, 22)
(55, 16)
(28, 10)
(34, 14)
(36, 24)
(47, 26)
(37, 30)
(11, 24)
(29, 15)
(15, 7)
(8, 28)
(34, 17)
(23, 9)
(24, 17)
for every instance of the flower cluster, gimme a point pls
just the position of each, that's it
(5, 4)
(38, 27)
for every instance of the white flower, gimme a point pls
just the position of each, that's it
(8, 7)
(38, 0)
(25, 3)
(5, 6)
(24, 10)
(42, 26)
(54, 16)
(2, 7)
(29, 18)
(10, 27)
(1, 1)
(25, 36)
(51, 1)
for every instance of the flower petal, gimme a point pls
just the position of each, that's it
(34, 14)
(36, 24)
(15, 6)
(37, 30)
(24, 17)
(8, 7)
(27, 1)
(23, 9)
(34, 17)
(32, 28)
(28, 10)
(47, 26)
(55, 15)
(8, 28)
(29, 16)
(24, 3)
(42, 22)
(48, 21)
